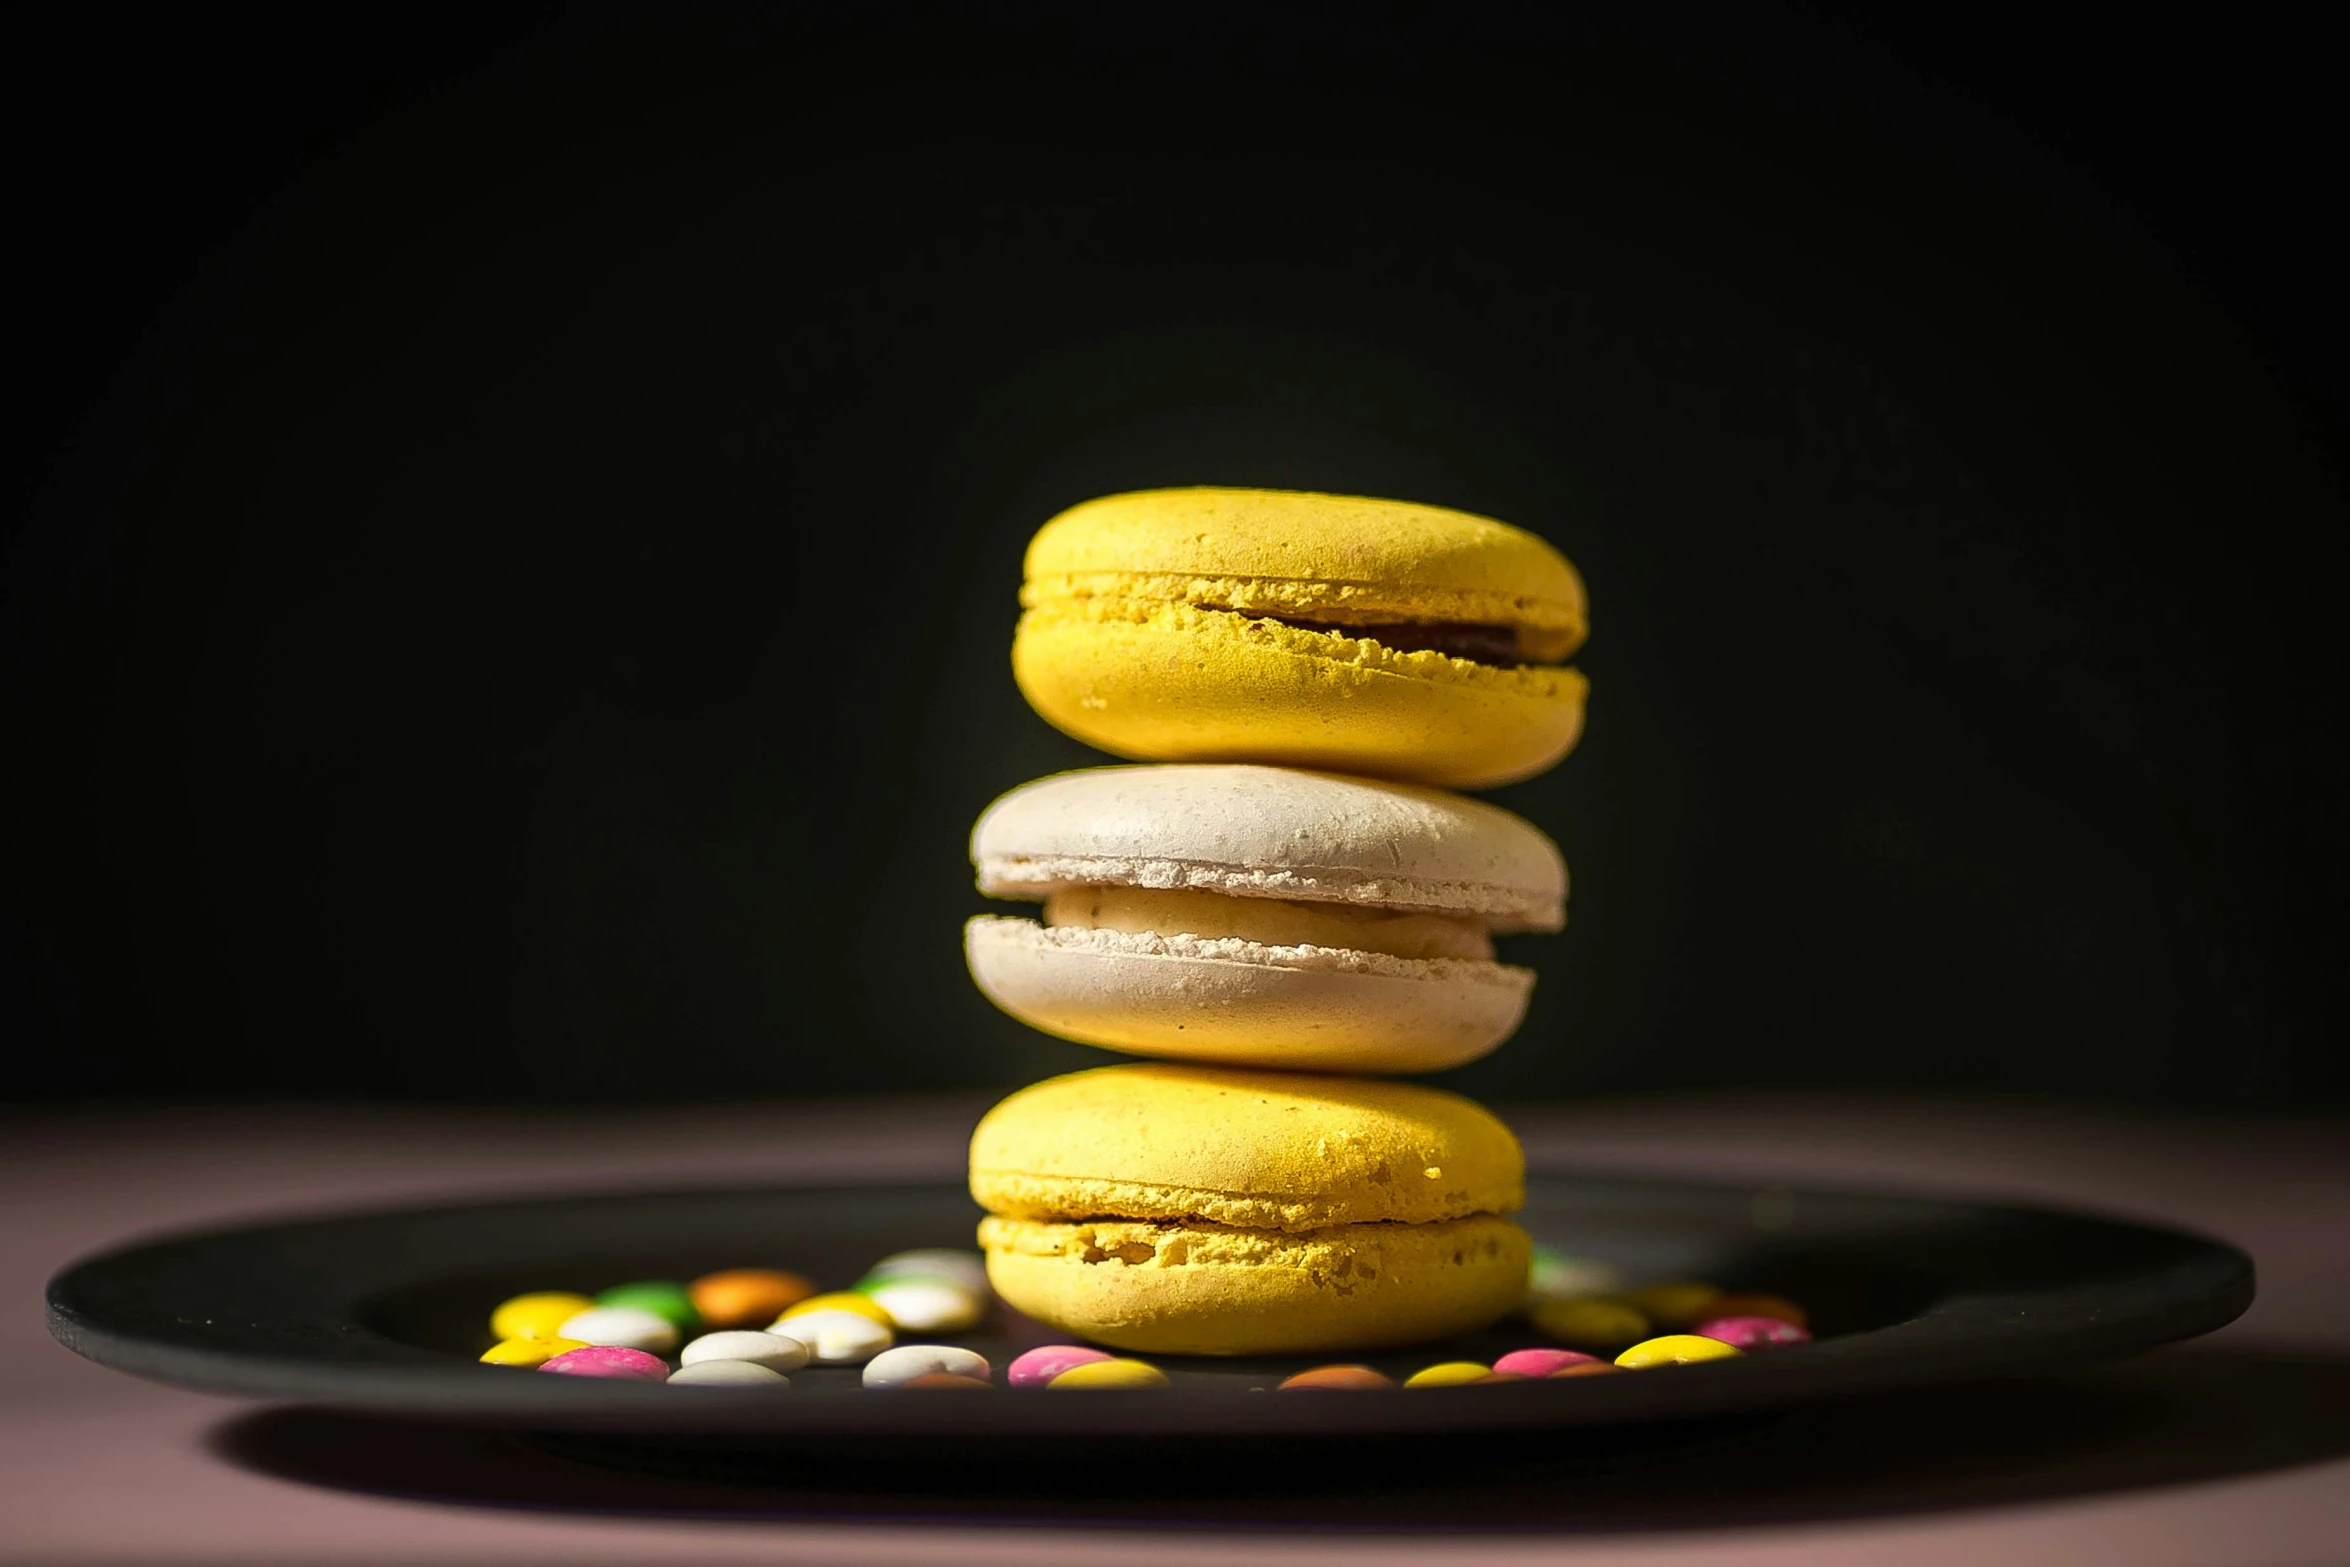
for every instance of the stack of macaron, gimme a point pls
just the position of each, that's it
(1288, 906)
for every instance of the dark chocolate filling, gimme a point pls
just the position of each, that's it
(1479, 644)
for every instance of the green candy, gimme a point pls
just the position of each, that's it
(664, 1298)
(874, 1281)
(1558, 1275)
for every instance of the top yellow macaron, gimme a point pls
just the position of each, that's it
(1337, 632)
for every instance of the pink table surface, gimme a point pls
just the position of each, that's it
(2235, 1450)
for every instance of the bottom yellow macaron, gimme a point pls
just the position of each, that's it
(1187, 1287)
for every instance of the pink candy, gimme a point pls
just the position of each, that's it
(609, 1360)
(1541, 1362)
(1040, 1366)
(1752, 1333)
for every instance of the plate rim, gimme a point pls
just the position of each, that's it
(1949, 1341)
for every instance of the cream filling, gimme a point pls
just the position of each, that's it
(1272, 922)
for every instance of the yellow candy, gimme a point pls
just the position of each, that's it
(1677, 1305)
(537, 1315)
(528, 1351)
(1110, 1373)
(1596, 1326)
(841, 1300)
(1450, 1373)
(1675, 1349)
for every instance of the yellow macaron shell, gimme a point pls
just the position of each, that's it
(1256, 1150)
(1354, 559)
(1200, 1289)
(1144, 634)
(1171, 683)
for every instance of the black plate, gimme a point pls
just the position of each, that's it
(384, 1312)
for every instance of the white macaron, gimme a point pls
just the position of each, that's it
(1261, 916)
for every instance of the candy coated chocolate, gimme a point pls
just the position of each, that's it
(1448, 1373)
(1544, 1362)
(1492, 1377)
(1674, 1349)
(1040, 1366)
(746, 1297)
(1759, 1306)
(528, 1351)
(772, 1350)
(947, 1379)
(538, 1314)
(664, 1298)
(1601, 1326)
(1556, 1275)
(839, 1300)
(1109, 1374)
(896, 1367)
(727, 1373)
(630, 1326)
(835, 1338)
(609, 1360)
(1594, 1368)
(1674, 1305)
(919, 1304)
(966, 1268)
(1336, 1378)
(1753, 1333)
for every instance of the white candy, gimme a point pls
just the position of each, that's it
(894, 1368)
(928, 1305)
(625, 1326)
(966, 1268)
(727, 1373)
(772, 1350)
(836, 1338)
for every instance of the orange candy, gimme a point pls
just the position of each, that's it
(1777, 1308)
(1337, 1377)
(1593, 1369)
(746, 1297)
(945, 1379)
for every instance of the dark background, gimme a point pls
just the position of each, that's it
(519, 511)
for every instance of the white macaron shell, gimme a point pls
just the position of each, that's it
(1272, 832)
(1241, 1003)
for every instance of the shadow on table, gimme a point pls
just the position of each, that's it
(2181, 1416)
